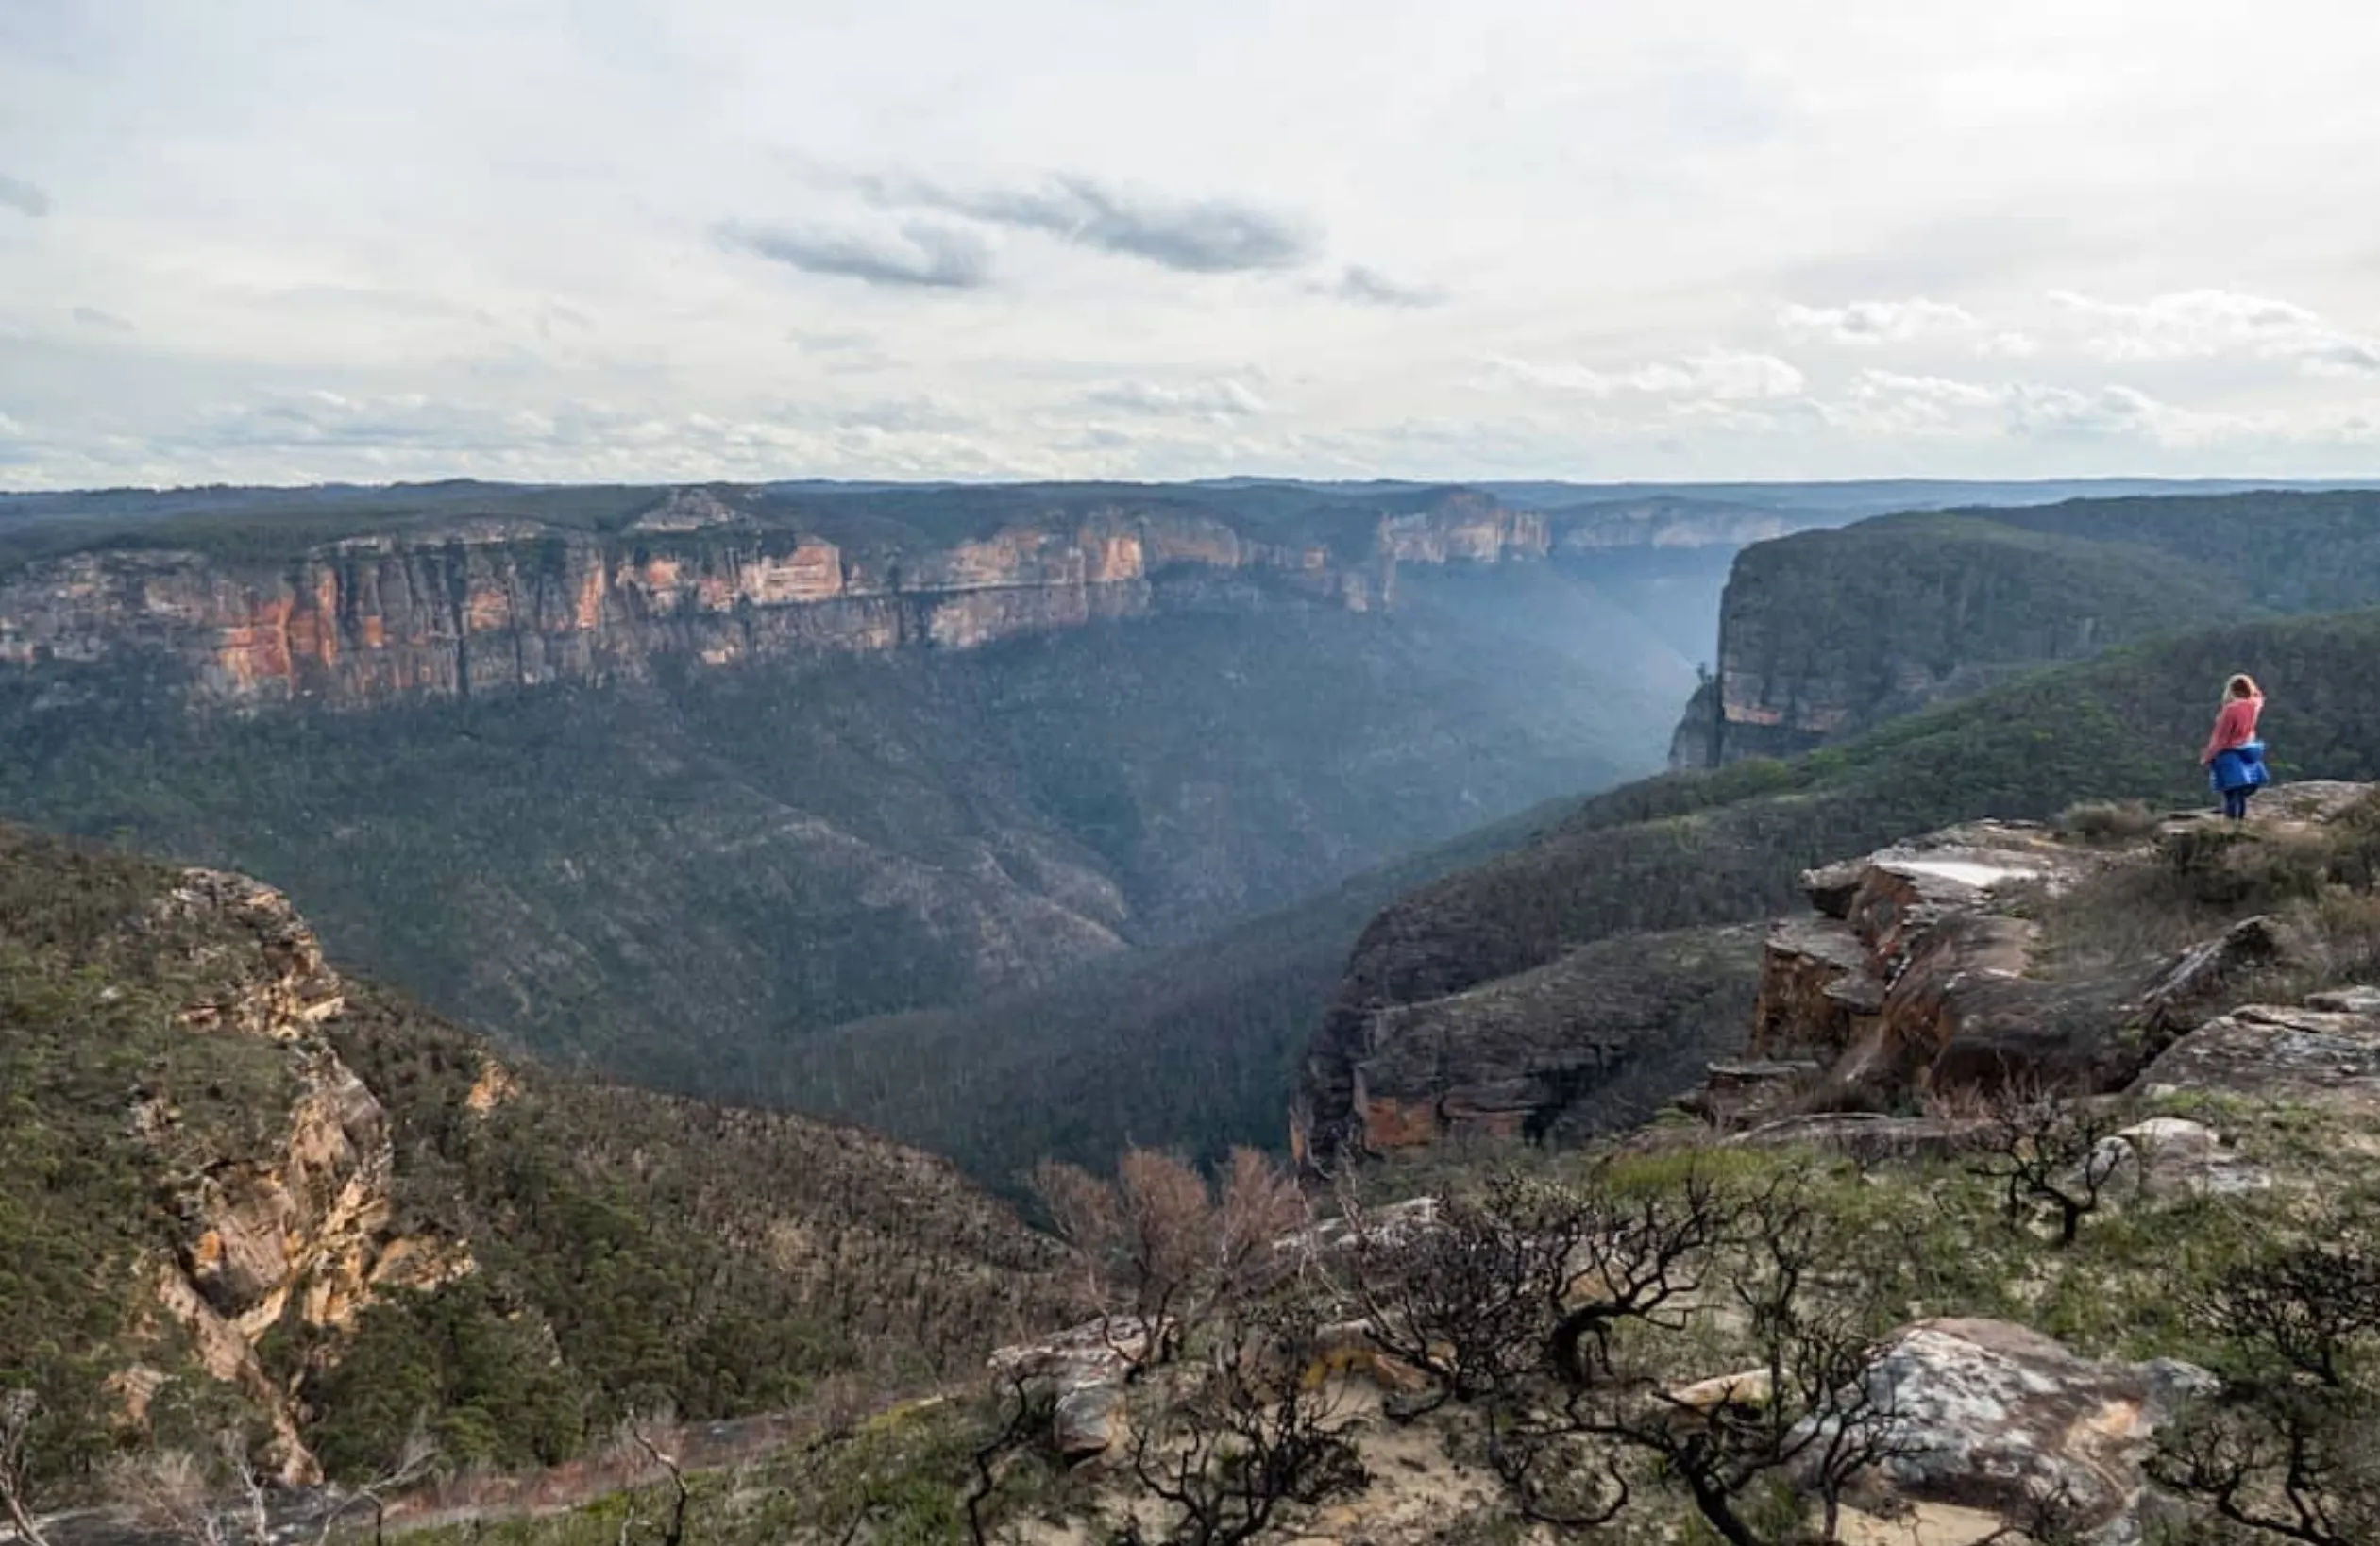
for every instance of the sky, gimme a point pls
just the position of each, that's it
(252, 241)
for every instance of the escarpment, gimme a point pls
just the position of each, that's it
(479, 605)
(1960, 963)
(1824, 635)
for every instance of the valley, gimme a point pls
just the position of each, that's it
(1197, 927)
(905, 804)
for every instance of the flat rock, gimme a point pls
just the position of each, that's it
(1868, 1137)
(2002, 1417)
(2282, 1053)
(1081, 1371)
(2353, 1001)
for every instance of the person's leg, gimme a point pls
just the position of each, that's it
(2235, 803)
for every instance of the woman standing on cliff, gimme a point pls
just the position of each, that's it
(2234, 757)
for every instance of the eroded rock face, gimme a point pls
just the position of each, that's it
(301, 1226)
(2001, 1418)
(1909, 973)
(487, 605)
(1592, 1042)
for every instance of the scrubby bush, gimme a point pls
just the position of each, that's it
(2107, 821)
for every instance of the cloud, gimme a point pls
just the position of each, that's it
(2010, 345)
(1719, 375)
(827, 341)
(22, 196)
(1363, 286)
(2210, 324)
(107, 321)
(1876, 385)
(1219, 398)
(1887, 404)
(925, 257)
(1879, 322)
(1204, 236)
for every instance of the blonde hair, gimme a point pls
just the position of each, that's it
(2243, 685)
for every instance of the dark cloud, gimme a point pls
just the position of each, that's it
(22, 196)
(1204, 236)
(925, 257)
(91, 316)
(1370, 287)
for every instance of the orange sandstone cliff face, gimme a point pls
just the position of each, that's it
(307, 1219)
(486, 606)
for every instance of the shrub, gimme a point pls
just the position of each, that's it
(2107, 821)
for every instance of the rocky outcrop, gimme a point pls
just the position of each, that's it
(1079, 1374)
(1591, 1042)
(2000, 1418)
(1910, 973)
(297, 1229)
(2323, 1052)
(475, 606)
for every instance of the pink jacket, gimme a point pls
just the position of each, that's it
(2236, 725)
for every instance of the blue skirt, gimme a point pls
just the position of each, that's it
(2241, 767)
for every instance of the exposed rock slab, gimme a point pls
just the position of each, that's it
(2317, 1055)
(2002, 1417)
(1081, 1372)
(2169, 1006)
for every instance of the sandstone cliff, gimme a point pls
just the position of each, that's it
(1591, 1042)
(1997, 954)
(295, 1228)
(477, 605)
(1823, 634)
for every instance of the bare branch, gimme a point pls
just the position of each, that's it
(18, 1408)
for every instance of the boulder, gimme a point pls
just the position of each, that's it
(2167, 1156)
(1087, 1420)
(1999, 1416)
(2170, 1007)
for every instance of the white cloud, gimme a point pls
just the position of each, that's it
(1718, 375)
(1219, 398)
(2009, 345)
(1879, 322)
(946, 231)
(2209, 324)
